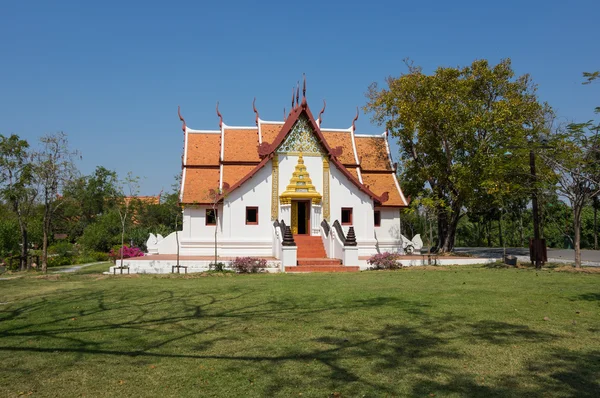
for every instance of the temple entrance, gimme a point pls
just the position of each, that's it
(300, 194)
(301, 217)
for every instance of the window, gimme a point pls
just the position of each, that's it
(251, 215)
(211, 217)
(377, 218)
(346, 215)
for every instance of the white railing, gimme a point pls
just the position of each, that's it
(277, 240)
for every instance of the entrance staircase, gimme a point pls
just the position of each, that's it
(312, 257)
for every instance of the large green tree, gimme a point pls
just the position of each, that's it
(576, 160)
(453, 128)
(16, 186)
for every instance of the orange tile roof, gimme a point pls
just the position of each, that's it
(241, 145)
(352, 170)
(149, 200)
(233, 173)
(203, 149)
(372, 153)
(384, 182)
(343, 139)
(241, 159)
(198, 183)
(269, 131)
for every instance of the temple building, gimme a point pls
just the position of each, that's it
(334, 189)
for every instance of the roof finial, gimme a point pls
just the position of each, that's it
(355, 119)
(322, 110)
(304, 103)
(297, 93)
(255, 111)
(304, 86)
(220, 116)
(181, 118)
(284, 114)
(293, 94)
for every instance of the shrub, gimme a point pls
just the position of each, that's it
(128, 252)
(91, 257)
(246, 265)
(58, 261)
(219, 267)
(385, 261)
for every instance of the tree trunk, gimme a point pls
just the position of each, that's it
(488, 227)
(442, 222)
(577, 232)
(24, 244)
(595, 228)
(447, 224)
(46, 224)
(500, 231)
(122, 243)
(520, 230)
(45, 251)
(216, 226)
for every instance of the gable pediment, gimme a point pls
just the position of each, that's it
(301, 139)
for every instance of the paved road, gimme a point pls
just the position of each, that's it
(588, 257)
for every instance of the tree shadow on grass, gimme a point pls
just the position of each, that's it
(412, 353)
(589, 297)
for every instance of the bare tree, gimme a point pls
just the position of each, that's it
(216, 196)
(54, 167)
(128, 190)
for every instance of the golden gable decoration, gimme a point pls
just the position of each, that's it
(301, 140)
(300, 186)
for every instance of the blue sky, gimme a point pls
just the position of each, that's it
(111, 74)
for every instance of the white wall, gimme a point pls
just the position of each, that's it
(388, 233)
(256, 192)
(234, 237)
(344, 193)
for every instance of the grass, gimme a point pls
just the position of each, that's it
(447, 331)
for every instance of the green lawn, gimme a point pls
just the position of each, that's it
(453, 331)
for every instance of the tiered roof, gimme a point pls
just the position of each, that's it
(228, 157)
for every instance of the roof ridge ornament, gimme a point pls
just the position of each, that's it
(354, 121)
(181, 118)
(255, 111)
(304, 103)
(298, 93)
(284, 114)
(322, 111)
(293, 95)
(221, 116)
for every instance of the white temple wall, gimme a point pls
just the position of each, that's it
(238, 237)
(388, 234)
(344, 193)
(194, 223)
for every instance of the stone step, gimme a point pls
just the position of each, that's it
(322, 268)
(312, 253)
(319, 261)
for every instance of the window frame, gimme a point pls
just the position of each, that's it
(377, 218)
(216, 211)
(350, 210)
(251, 208)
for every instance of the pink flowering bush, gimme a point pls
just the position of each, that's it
(128, 252)
(247, 265)
(385, 261)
